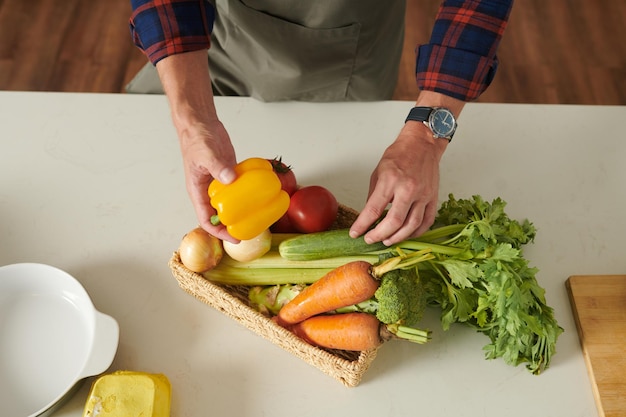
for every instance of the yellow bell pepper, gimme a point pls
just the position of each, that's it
(251, 203)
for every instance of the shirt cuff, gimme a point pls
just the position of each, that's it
(454, 72)
(171, 27)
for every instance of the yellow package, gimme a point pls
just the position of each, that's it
(129, 393)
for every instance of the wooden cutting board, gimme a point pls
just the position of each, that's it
(599, 306)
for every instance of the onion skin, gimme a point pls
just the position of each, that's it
(200, 251)
(251, 249)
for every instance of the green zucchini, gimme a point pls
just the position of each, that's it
(322, 245)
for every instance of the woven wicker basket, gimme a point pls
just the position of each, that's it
(347, 367)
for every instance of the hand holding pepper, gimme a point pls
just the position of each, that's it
(251, 203)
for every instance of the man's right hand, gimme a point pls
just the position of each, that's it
(206, 148)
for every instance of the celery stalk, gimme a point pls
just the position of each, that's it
(273, 260)
(225, 274)
(272, 269)
(439, 233)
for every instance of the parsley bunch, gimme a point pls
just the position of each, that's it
(480, 277)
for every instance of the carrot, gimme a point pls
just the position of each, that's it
(348, 331)
(346, 285)
(349, 284)
(354, 331)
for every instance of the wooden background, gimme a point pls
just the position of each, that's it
(554, 51)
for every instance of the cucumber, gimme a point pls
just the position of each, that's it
(322, 245)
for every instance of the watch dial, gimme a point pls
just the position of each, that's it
(443, 122)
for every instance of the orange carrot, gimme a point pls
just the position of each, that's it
(354, 331)
(348, 331)
(346, 285)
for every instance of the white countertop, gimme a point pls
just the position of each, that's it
(93, 184)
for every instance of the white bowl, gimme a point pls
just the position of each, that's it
(51, 338)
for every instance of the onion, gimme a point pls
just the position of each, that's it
(200, 251)
(251, 249)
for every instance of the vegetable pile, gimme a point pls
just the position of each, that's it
(338, 292)
(338, 295)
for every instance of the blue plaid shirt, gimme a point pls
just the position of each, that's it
(459, 60)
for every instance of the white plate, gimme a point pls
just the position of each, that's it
(51, 338)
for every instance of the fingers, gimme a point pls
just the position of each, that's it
(374, 209)
(406, 181)
(207, 154)
(197, 189)
(430, 213)
(412, 209)
(398, 224)
(397, 227)
(403, 220)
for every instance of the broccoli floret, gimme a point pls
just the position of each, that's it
(401, 298)
(399, 303)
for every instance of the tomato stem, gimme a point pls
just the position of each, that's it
(279, 166)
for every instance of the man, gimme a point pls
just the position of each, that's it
(325, 50)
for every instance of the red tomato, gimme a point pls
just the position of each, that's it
(283, 225)
(285, 175)
(312, 209)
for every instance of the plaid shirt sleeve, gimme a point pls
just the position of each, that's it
(460, 60)
(165, 27)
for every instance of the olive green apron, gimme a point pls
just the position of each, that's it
(308, 50)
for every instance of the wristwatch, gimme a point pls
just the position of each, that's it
(440, 120)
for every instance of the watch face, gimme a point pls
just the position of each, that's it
(442, 123)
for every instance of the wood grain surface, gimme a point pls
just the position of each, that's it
(599, 306)
(556, 52)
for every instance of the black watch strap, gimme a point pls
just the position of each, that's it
(419, 114)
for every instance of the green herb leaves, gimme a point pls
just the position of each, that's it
(487, 283)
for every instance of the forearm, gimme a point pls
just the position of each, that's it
(205, 145)
(187, 84)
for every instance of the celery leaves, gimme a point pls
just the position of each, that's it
(488, 284)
